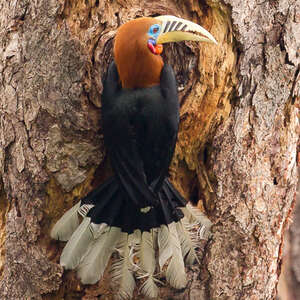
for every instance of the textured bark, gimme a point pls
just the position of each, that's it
(289, 284)
(293, 252)
(235, 157)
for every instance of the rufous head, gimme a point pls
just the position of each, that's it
(138, 45)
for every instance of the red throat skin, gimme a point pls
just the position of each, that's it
(155, 49)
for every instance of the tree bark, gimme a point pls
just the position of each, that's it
(289, 283)
(236, 150)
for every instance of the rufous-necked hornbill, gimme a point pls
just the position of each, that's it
(137, 216)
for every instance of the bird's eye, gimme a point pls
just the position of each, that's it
(154, 29)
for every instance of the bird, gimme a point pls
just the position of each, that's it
(137, 218)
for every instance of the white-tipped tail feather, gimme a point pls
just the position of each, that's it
(165, 251)
(77, 246)
(93, 265)
(187, 245)
(170, 251)
(175, 273)
(66, 225)
(84, 209)
(194, 218)
(122, 276)
(147, 262)
(90, 247)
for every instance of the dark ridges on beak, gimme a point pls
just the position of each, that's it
(175, 29)
(175, 26)
(166, 29)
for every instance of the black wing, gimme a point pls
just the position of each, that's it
(140, 129)
(166, 136)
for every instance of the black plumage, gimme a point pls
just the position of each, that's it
(140, 130)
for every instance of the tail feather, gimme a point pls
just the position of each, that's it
(170, 251)
(175, 273)
(66, 225)
(146, 252)
(94, 263)
(147, 263)
(162, 238)
(149, 288)
(195, 218)
(84, 209)
(122, 276)
(164, 245)
(134, 239)
(77, 246)
(187, 245)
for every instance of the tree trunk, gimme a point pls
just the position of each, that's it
(236, 151)
(289, 283)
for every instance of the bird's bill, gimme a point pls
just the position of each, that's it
(175, 29)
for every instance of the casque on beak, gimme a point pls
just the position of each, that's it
(138, 45)
(175, 29)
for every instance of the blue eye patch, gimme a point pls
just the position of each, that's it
(154, 31)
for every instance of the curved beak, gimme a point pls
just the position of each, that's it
(175, 29)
